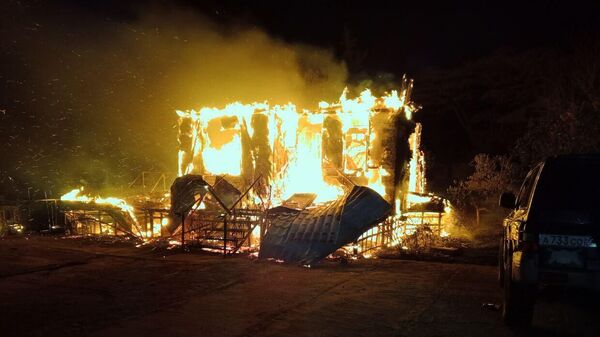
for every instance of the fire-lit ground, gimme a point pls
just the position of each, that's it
(62, 287)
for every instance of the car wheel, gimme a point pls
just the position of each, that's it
(501, 263)
(518, 303)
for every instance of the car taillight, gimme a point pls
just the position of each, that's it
(529, 246)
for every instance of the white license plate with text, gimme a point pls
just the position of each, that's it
(567, 241)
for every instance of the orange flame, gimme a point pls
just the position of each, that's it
(295, 139)
(76, 194)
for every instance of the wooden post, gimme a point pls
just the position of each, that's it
(225, 236)
(182, 229)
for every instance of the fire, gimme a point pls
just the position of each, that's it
(416, 181)
(304, 170)
(74, 195)
(322, 152)
(77, 195)
(273, 152)
(289, 145)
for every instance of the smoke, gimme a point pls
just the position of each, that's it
(91, 99)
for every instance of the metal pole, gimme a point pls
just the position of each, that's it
(48, 215)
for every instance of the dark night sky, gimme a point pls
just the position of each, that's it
(419, 34)
(88, 88)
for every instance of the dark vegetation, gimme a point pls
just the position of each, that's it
(507, 112)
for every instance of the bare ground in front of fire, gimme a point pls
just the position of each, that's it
(52, 286)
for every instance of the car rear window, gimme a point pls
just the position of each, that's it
(569, 185)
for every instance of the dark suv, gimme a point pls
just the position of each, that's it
(550, 236)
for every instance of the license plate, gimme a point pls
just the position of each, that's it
(576, 241)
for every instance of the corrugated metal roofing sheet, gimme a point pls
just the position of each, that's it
(314, 233)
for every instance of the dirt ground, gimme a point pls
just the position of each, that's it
(71, 287)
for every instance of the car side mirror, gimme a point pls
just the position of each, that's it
(508, 200)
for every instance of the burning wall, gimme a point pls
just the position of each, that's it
(360, 141)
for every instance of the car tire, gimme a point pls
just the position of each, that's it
(518, 303)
